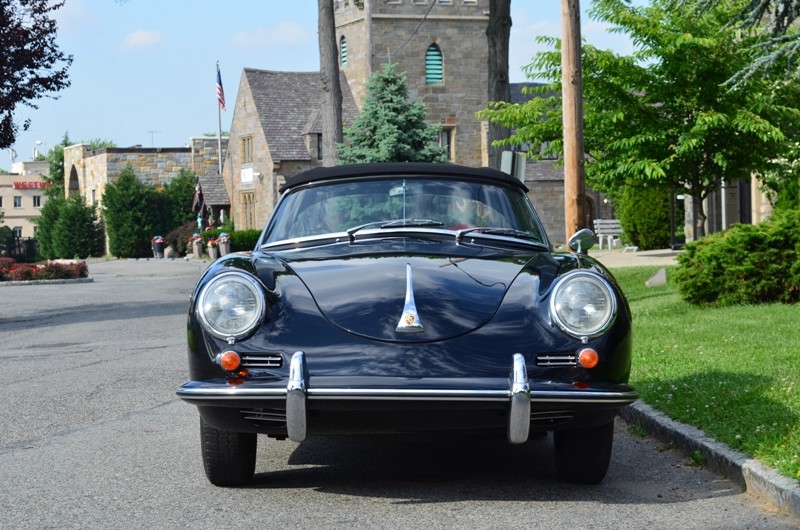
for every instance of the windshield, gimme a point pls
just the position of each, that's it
(337, 207)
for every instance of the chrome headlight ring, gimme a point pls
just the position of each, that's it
(231, 305)
(583, 304)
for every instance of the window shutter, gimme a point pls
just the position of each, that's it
(343, 51)
(434, 67)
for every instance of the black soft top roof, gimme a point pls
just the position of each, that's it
(401, 169)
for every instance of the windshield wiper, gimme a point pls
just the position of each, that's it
(394, 223)
(498, 231)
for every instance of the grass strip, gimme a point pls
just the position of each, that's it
(733, 372)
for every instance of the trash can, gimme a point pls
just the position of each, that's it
(157, 243)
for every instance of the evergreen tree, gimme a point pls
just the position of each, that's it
(56, 176)
(46, 222)
(391, 128)
(126, 209)
(76, 233)
(179, 194)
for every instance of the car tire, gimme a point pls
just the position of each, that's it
(582, 455)
(229, 458)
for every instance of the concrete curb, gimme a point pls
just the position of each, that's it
(753, 476)
(47, 282)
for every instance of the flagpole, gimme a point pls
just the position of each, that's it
(219, 131)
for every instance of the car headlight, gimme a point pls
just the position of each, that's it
(231, 305)
(582, 304)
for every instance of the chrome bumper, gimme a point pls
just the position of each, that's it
(517, 392)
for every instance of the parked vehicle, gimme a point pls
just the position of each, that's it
(407, 298)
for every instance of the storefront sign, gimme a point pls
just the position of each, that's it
(34, 185)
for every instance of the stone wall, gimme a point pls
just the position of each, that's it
(87, 172)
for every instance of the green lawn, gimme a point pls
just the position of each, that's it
(733, 372)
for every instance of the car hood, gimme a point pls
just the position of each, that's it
(452, 296)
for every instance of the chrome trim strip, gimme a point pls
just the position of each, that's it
(296, 417)
(519, 417)
(237, 392)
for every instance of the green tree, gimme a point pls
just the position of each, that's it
(390, 128)
(32, 65)
(56, 175)
(179, 194)
(127, 213)
(77, 232)
(45, 225)
(664, 116)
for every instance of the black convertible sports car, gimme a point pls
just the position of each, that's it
(407, 298)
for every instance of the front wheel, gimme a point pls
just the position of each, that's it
(229, 458)
(582, 455)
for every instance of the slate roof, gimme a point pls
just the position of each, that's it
(288, 106)
(214, 192)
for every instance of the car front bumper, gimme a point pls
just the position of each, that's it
(523, 401)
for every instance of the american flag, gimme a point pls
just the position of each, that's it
(220, 91)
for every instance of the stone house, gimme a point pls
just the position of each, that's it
(275, 133)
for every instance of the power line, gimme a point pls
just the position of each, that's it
(424, 17)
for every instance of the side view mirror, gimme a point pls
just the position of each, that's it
(581, 241)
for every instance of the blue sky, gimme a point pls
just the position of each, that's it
(144, 70)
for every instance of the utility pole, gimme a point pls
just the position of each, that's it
(572, 102)
(152, 136)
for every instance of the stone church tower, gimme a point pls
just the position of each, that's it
(441, 47)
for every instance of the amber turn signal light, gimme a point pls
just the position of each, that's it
(229, 360)
(588, 358)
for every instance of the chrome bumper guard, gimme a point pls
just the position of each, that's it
(518, 395)
(519, 418)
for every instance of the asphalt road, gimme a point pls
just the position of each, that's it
(92, 436)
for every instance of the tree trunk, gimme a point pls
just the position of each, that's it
(498, 33)
(331, 89)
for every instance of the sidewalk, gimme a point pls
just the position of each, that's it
(617, 257)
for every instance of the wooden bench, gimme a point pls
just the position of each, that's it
(607, 230)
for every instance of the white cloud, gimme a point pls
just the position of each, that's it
(284, 35)
(141, 40)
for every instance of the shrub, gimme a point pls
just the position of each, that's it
(23, 272)
(5, 267)
(746, 264)
(53, 270)
(646, 227)
(179, 238)
(50, 270)
(244, 240)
